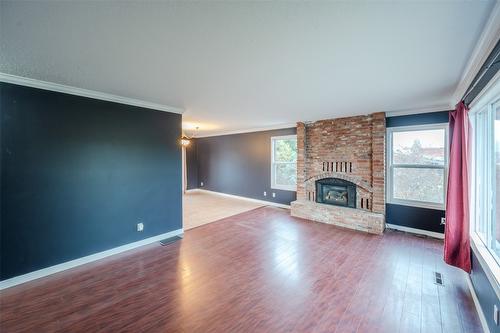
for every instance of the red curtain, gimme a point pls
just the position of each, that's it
(456, 239)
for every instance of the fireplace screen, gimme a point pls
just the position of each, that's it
(334, 191)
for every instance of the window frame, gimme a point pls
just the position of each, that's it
(391, 166)
(485, 102)
(485, 176)
(275, 186)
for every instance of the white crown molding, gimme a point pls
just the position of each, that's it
(436, 108)
(249, 130)
(84, 260)
(485, 44)
(24, 81)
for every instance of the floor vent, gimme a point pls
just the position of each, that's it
(438, 278)
(170, 240)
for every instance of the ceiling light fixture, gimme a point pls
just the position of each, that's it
(186, 140)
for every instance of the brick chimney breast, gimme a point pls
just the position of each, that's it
(351, 149)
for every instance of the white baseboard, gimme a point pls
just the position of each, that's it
(267, 203)
(415, 231)
(84, 260)
(479, 310)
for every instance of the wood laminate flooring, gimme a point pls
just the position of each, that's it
(259, 271)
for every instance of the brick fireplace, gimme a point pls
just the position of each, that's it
(341, 172)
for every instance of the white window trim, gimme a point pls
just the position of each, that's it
(486, 98)
(390, 166)
(273, 184)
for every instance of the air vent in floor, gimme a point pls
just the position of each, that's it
(170, 240)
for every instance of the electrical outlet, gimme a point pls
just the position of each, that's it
(201, 184)
(265, 193)
(274, 195)
(496, 314)
(140, 226)
(443, 220)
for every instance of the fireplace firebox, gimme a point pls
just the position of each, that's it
(335, 191)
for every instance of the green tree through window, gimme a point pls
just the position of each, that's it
(284, 163)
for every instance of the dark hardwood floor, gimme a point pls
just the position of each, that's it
(260, 271)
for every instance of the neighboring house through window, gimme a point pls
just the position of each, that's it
(284, 162)
(417, 165)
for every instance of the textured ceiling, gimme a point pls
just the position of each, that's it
(240, 65)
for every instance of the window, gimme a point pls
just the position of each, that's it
(485, 175)
(494, 233)
(284, 162)
(417, 164)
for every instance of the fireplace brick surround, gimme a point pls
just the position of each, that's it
(352, 149)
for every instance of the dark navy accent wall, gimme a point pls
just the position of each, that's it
(192, 165)
(77, 174)
(416, 217)
(440, 117)
(240, 164)
(485, 293)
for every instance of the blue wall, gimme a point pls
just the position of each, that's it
(77, 174)
(418, 119)
(485, 292)
(192, 165)
(416, 217)
(240, 164)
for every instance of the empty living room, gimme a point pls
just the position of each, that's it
(250, 166)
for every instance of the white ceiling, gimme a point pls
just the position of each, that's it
(240, 65)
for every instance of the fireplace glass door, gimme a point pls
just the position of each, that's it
(333, 194)
(335, 191)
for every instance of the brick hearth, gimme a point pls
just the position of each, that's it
(352, 149)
